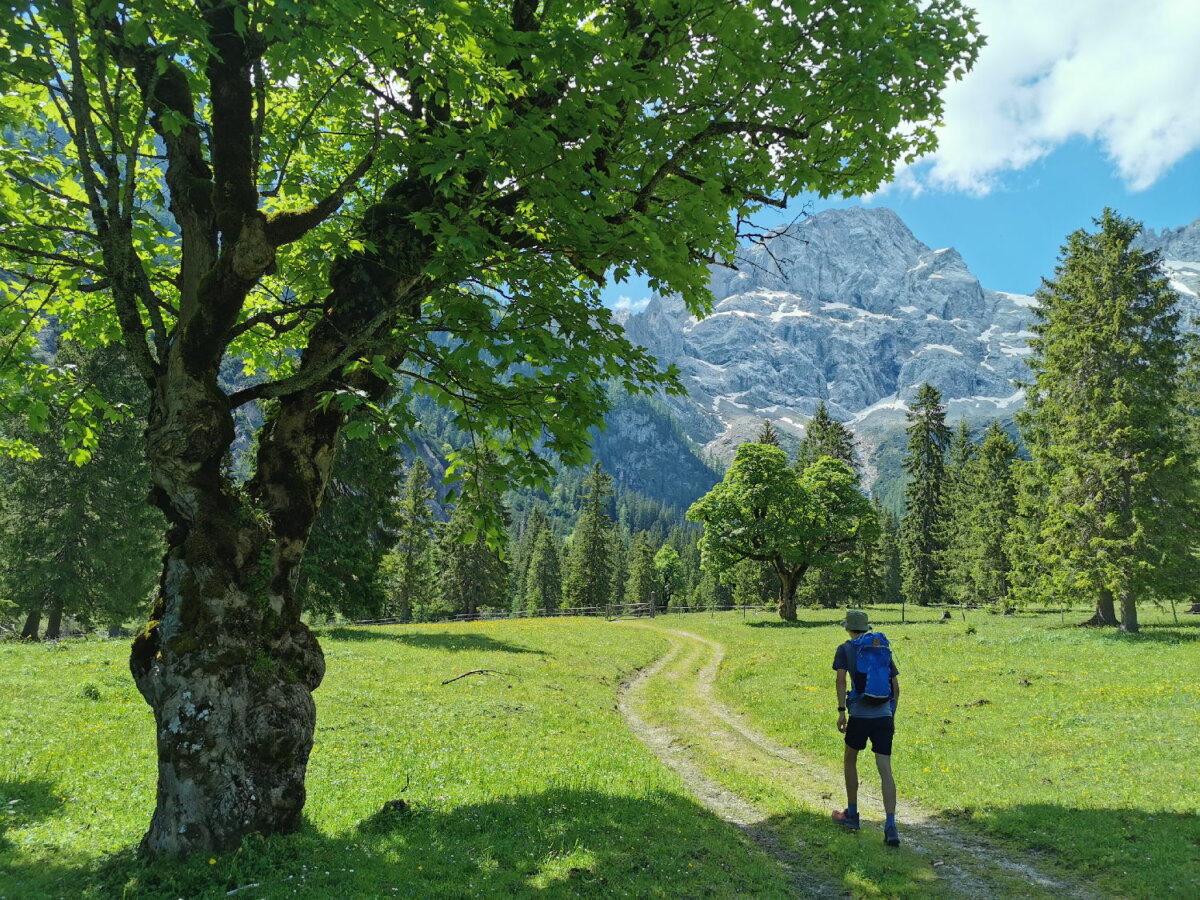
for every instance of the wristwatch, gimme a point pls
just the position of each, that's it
(841, 709)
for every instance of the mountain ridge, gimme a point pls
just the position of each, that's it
(851, 309)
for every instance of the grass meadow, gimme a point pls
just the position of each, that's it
(1074, 745)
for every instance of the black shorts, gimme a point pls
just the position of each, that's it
(879, 729)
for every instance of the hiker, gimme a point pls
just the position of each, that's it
(870, 699)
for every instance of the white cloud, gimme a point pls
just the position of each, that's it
(1124, 74)
(628, 304)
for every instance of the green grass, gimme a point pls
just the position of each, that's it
(520, 784)
(1084, 756)
(1076, 746)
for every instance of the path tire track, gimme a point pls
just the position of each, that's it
(724, 803)
(964, 859)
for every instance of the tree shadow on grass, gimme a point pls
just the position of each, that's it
(1157, 634)
(1130, 852)
(24, 802)
(560, 842)
(453, 640)
(783, 623)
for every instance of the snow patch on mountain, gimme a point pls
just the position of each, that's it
(849, 308)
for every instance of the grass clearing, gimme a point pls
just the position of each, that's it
(1074, 746)
(1082, 758)
(518, 784)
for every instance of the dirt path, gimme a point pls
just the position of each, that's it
(726, 804)
(966, 864)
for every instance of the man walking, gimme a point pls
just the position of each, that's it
(870, 717)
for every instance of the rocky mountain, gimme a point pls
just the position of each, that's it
(850, 308)
(1180, 249)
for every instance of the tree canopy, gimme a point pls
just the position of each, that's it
(764, 510)
(1104, 428)
(337, 194)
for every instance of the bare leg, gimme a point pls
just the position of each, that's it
(850, 764)
(887, 782)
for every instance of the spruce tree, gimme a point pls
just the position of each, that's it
(473, 574)
(881, 566)
(989, 517)
(1103, 425)
(620, 564)
(752, 583)
(1028, 581)
(825, 436)
(642, 585)
(408, 571)
(358, 524)
(543, 580)
(588, 576)
(668, 568)
(1189, 411)
(957, 500)
(80, 541)
(535, 524)
(920, 533)
(768, 434)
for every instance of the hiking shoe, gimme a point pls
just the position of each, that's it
(847, 820)
(891, 836)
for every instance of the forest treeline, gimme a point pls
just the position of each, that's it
(1092, 500)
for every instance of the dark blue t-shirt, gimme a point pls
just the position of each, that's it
(844, 658)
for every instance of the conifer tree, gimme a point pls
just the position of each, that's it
(535, 524)
(920, 534)
(408, 571)
(881, 565)
(80, 541)
(668, 568)
(473, 573)
(825, 436)
(642, 585)
(543, 581)
(1189, 410)
(989, 517)
(957, 499)
(752, 583)
(356, 527)
(711, 592)
(768, 434)
(620, 564)
(588, 576)
(1028, 581)
(1103, 425)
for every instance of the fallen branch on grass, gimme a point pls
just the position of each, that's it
(477, 672)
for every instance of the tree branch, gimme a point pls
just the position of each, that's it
(285, 227)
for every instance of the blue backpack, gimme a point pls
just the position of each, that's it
(873, 658)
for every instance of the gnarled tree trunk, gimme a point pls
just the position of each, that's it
(33, 622)
(54, 621)
(1129, 615)
(789, 580)
(1106, 613)
(226, 663)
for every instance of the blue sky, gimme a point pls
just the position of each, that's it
(1073, 106)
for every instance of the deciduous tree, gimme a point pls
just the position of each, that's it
(764, 510)
(338, 192)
